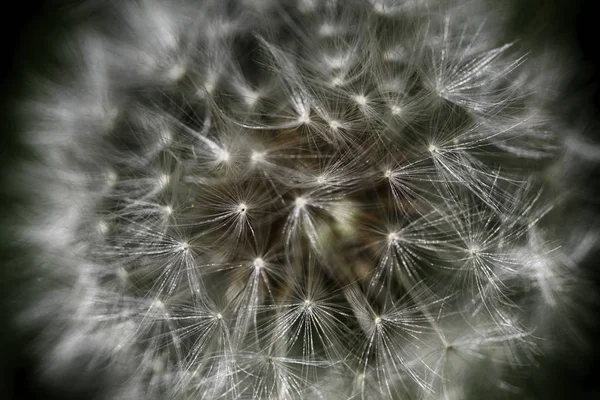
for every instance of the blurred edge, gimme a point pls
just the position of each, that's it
(38, 24)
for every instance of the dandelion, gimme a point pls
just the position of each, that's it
(302, 199)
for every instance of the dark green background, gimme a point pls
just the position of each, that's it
(37, 26)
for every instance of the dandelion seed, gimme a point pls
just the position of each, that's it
(304, 119)
(222, 156)
(251, 97)
(335, 125)
(306, 6)
(103, 228)
(300, 202)
(122, 275)
(337, 81)
(176, 73)
(258, 263)
(257, 156)
(361, 100)
(207, 88)
(396, 110)
(111, 179)
(327, 30)
(163, 181)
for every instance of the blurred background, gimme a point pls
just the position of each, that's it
(32, 28)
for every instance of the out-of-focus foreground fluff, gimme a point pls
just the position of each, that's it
(304, 199)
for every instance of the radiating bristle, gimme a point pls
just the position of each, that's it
(259, 199)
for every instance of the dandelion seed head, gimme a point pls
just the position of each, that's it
(303, 199)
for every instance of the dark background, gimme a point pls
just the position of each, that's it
(36, 25)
